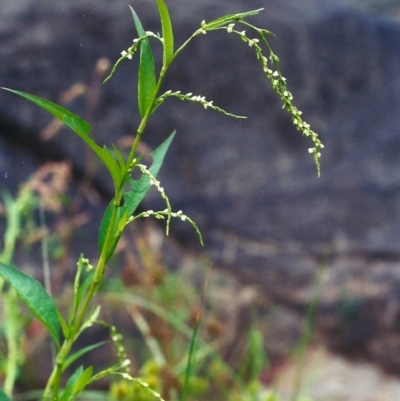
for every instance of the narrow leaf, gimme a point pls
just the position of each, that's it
(167, 33)
(147, 79)
(136, 194)
(83, 380)
(227, 19)
(141, 187)
(69, 388)
(105, 223)
(80, 127)
(4, 396)
(64, 325)
(120, 224)
(34, 297)
(119, 157)
(111, 164)
(76, 355)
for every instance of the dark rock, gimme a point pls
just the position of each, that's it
(250, 184)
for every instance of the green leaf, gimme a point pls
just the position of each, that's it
(64, 325)
(80, 127)
(83, 380)
(4, 396)
(117, 172)
(132, 198)
(105, 223)
(167, 33)
(76, 355)
(227, 19)
(69, 388)
(158, 154)
(141, 187)
(34, 297)
(119, 157)
(147, 79)
(90, 320)
(120, 224)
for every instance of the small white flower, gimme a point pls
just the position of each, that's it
(124, 53)
(252, 42)
(311, 150)
(230, 28)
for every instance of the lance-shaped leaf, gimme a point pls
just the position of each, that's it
(167, 33)
(147, 79)
(227, 19)
(142, 186)
(34, 297)
(72, 358)
(76, 383)
(134, 196)
(81, 128)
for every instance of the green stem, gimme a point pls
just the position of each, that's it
(12, 329)
(145, 119)
(53, 384)
(54, 381)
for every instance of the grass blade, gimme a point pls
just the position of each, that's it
(35, 297)
(167, 33)
(193, 340)
(147, 79)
